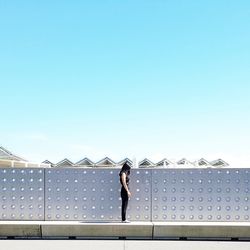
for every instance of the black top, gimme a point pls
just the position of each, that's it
(127, 178)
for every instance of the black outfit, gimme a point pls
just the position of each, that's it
(124, 196)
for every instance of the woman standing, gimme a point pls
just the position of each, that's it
(125, 193)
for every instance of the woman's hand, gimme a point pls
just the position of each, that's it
(129, 194)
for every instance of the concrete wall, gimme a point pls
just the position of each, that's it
(118, 230)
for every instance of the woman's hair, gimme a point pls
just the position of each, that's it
(125, 169)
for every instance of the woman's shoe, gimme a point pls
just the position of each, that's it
(125, 221)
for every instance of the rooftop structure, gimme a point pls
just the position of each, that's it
(9, 159)
(7, 155)
(145, 163)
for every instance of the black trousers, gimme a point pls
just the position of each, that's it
(124, 196)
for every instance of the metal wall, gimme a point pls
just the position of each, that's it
(94, 194)
(200, 195)
(22, 194)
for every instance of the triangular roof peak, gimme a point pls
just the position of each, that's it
(125, 160)
(85, 162)
(219, 163)
(7, 155)
(48, 162)
(203, 162)
(105, 162)
(183, 161)
(146, 163)
(163, 162)
(64, 162)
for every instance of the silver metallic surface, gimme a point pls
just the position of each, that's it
(22, 194)
(94, 195)
(200, 194)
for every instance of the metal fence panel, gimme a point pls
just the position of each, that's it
(94, 195)
(22, 194)
(200, 195)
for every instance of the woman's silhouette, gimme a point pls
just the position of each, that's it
(125, 193)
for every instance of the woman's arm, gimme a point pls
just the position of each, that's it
(125, 184)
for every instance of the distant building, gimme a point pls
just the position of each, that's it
(85, 162)
(146, 163)
(219, 163)
(7, 155)
(8, 159)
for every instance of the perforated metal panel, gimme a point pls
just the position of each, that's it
(140, 208)
(22, 194)
(200, 195)
(94, 195)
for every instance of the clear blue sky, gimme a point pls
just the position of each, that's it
(125, 78)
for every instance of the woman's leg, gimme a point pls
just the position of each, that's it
(124, 196)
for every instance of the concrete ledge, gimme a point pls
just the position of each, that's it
(20, 229)
(78, 229)
(135, 230)
(201, 230)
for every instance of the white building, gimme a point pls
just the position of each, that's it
(8, 159)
